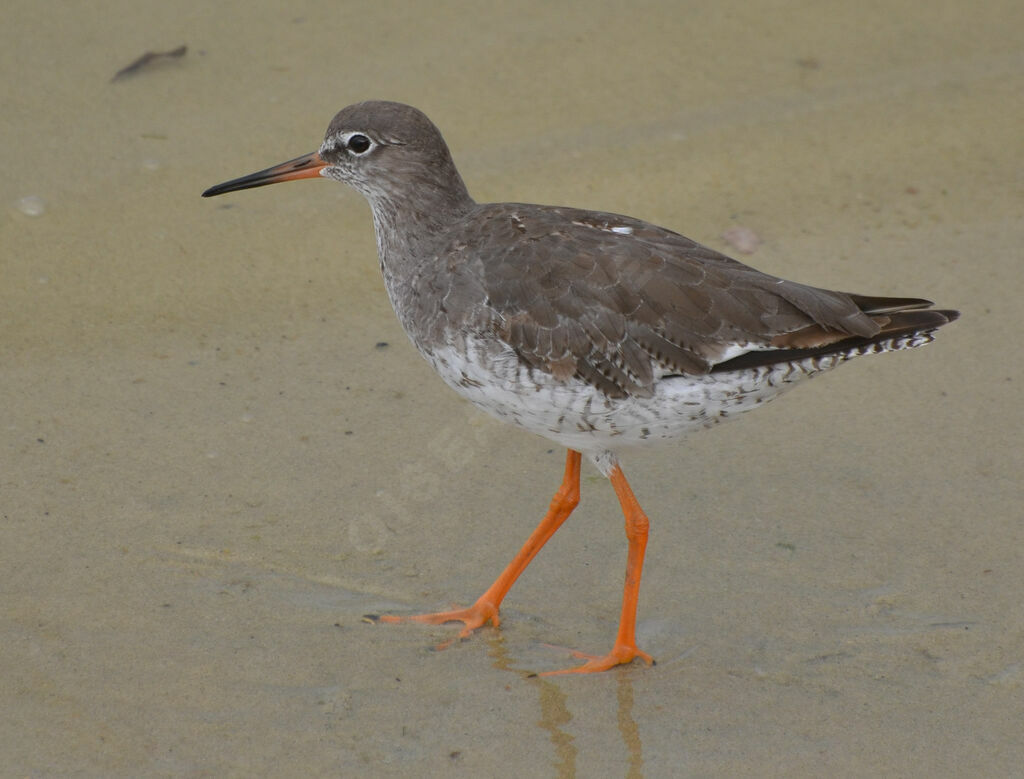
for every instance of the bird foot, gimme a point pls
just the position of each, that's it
(473, 617)
(620, 655)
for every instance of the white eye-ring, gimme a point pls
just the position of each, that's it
(357, 143)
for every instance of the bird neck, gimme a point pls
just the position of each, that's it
(411, 213)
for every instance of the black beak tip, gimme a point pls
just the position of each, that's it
(217, 189)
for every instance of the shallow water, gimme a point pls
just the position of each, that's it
(210, 467)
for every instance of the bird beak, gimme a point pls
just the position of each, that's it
(307, 166)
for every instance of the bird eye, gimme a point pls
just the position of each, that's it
(358, 144)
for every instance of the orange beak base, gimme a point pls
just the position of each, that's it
(307, 166)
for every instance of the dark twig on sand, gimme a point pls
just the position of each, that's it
(147, 59)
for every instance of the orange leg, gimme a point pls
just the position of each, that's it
(637, 525)
(486, 607)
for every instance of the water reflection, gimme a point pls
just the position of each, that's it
(556, 715)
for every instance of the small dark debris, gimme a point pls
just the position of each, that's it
(147, 59)
(381, 345)
(371, 619)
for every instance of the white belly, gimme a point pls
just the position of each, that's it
(578, 416)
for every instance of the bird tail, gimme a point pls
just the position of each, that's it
(903, 323)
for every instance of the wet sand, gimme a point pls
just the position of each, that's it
(212, 466)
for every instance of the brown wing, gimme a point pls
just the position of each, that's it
(617, 301)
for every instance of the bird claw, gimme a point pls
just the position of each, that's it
(621, 654)
(473, 617)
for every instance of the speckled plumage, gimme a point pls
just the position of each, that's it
(599, 331)
(594, 329)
